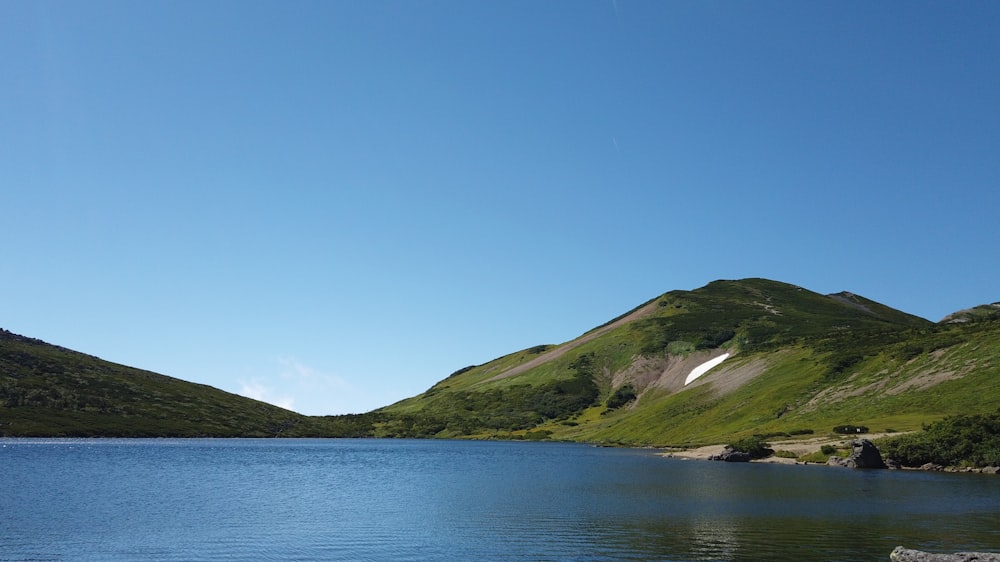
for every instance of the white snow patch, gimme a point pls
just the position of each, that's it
(704, 368)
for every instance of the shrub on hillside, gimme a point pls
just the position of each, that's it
(539, 435)
(711, 339)
(462, 370)
(972, 440)
(846, 429)
(755, 446)
(621, 396)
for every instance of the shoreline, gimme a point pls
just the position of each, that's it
(801, 447)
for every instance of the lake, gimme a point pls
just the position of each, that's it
(367, 499)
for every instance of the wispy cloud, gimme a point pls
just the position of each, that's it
(299, 373)
(296, 385)
(256, 389)
(315, 390)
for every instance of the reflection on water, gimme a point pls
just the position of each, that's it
(715, 539)
(442, 500)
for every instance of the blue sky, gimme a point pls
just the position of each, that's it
(332, 205)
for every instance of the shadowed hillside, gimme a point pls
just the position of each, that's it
(46, 390)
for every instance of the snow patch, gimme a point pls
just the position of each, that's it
(705, 367)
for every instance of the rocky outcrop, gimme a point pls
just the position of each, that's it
(900, 554)
(864, 454)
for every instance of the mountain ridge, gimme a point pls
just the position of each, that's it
(794, 360)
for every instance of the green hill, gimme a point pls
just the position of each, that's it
(46, 390)
(798, 362)
(786, 361)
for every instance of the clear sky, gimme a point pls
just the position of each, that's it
(332, 205)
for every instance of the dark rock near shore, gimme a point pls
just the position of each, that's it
(900, 554)
(864, 454)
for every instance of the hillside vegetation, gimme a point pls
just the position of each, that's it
(793, 362)
(799, 362)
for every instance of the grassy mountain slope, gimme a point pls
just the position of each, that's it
(796, 362)
(799, 362)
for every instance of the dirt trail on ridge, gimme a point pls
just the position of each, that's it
(561, 350)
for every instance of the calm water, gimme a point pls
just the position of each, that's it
(445, 500)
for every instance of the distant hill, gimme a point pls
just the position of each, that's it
(728, 360)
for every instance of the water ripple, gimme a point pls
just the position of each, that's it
(227, 500)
